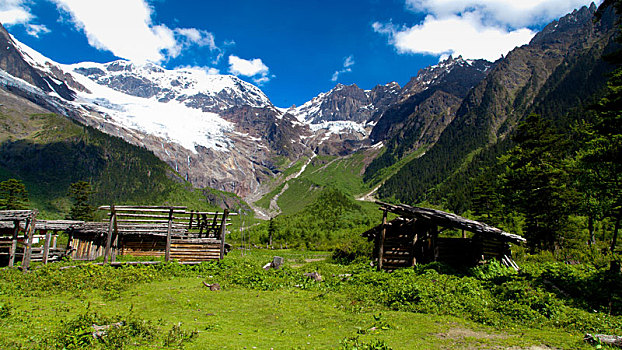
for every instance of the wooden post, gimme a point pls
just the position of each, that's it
(113, 218)
(413, 258)
(223, 231)
(46, 246)
(214, 223)
(30, 231)
(114, 249)
(190, 224)
(13, 250)
(169, 231)
(463, 233)
(383, 233)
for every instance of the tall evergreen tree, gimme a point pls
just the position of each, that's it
(602, 153)
(13, 195)
(536, 182)
(80, 193)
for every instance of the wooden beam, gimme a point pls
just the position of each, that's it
(190, 221)
(383, 233)
(141, 207)
(169, 231)
(113, 218)
(223, 231)
(30, 231)
(13, 250)
(46, 246)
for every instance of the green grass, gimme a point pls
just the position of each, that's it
(264, 202)
(388, 172)
(344, 173)
(305, 315)
(274, 309)
(300, 193)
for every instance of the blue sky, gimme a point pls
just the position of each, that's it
(292, 50)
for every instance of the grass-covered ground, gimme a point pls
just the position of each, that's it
(353, 307)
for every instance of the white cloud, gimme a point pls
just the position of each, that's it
(347, 63)
(456, 35)
(197, 36)
(36, 29)
(513, 13)
(473, 28)
(14, 12)
(254, 68)
(125, 28)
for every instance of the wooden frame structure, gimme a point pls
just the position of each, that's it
(413, 238)
(18, 231)
(28, 219)
(169, 231)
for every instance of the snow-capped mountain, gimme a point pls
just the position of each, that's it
(428, 103)
(347, 103)
(197, 122)
(191, 86)
(456, 75)
(216, 130)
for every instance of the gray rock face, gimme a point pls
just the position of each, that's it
(427, 104)
(348, 103)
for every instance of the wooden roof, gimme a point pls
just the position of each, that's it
(53, 225)
(11, 215)
(450, 220)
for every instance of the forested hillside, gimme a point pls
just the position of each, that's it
(49, 152)
(541, 77)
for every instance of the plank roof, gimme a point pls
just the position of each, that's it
(450, 220)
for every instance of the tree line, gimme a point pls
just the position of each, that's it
(14, 196)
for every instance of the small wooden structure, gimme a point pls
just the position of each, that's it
(20, 231)
(413, 238)
(156, 231)
(13, 243)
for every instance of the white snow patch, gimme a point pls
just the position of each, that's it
(336, 127)
(172, 120)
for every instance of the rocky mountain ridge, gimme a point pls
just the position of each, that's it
(222, 132)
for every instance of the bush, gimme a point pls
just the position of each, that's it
(350, 250)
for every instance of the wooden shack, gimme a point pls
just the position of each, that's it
(152, 231)
(25, 239)
(414, 238)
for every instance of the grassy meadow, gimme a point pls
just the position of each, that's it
(353, 307)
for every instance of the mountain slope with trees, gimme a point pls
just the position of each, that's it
(49, 153)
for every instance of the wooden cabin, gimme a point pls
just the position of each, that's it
(414, 237)
(152, 231)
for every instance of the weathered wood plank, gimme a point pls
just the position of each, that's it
(13, 250)
(141, 207)
(167, 253)
(30, 231)
(449, 220)
(111, 229)
(46, 247)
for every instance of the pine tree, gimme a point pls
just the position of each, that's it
(13, 195)
(80, 193)
(536, 182)
(602, 153)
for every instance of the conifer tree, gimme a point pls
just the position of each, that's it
(80, 193)
(602, 153)
(536, 182)
(13, 195)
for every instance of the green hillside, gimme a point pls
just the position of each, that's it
(49, 152)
